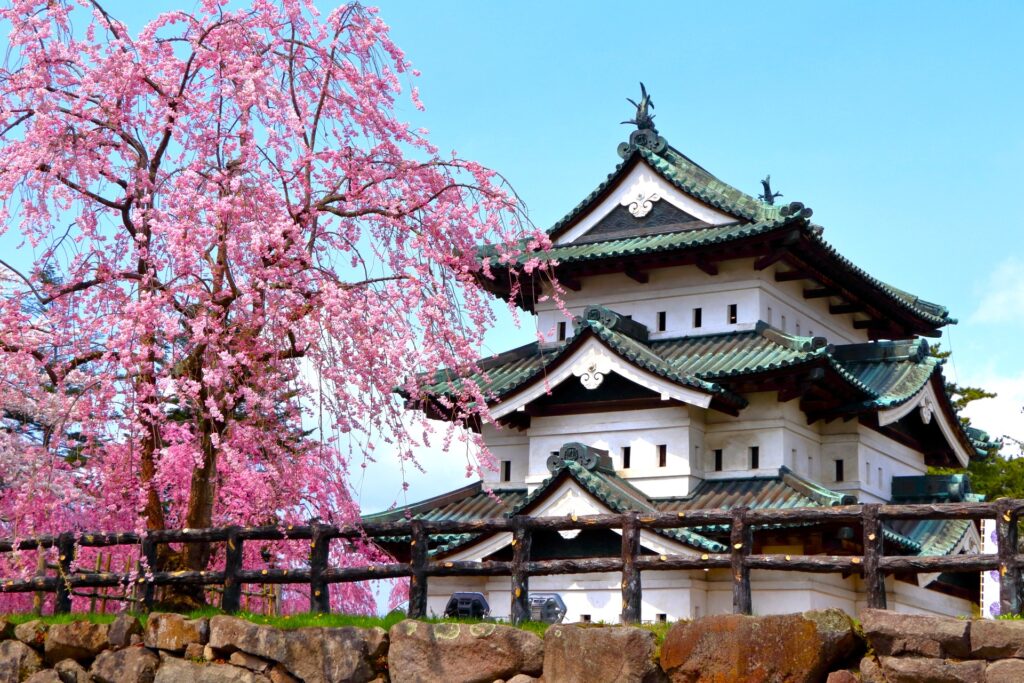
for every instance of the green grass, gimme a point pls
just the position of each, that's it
(307, 619)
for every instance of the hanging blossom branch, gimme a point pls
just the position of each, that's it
(254, 234)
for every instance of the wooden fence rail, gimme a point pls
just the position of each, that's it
(873, 565)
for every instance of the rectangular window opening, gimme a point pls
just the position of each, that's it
(783, 325)
(718, 460)
(755, 457)
(696, 318)
(585, 618)
(769, 316)
(792, 457)
(662, 321)
(662, 455)
(798, 328)
(881, 482)
(506, 470)
(810, 466)
(561, 331)
(732, 314)
(867, 473)
(661, 618)
(840, 471)
(626, 454)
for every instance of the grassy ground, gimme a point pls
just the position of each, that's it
(293, 621)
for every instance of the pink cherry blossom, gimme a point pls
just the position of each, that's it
(239, 254)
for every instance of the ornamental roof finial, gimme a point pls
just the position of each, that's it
(644, 119)
(645, 135)
(768, 197)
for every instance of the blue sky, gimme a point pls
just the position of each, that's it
(898, 123)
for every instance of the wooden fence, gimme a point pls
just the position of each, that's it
(873, 565)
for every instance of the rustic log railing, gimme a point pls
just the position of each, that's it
(873, 566)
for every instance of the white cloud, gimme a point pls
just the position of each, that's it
(1001, 416)
(1002, 298)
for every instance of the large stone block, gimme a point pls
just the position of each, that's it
(122, 629)
(47, 676)
(1005, 671)
(787, 648)
(78, 640)
(32, 633)
(929, 670)
(461, 653)
(71, 671)
(17, 661)
(128, 665)
(173, 632)
(996, 639)
(895, 634)
(614, 654)
(314, 655)
(174, 670)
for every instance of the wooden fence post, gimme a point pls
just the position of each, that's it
(873, 577)
(319, 590)
(147, 565)
(521, 541)
(231, 598)
(65, 556)
(631, 587)
(740, 540)
(1009, 572)
(419, 546)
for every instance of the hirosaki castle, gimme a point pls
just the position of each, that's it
(722, 354)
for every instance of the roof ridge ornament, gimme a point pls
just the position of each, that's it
(768, 197)
(645, 135)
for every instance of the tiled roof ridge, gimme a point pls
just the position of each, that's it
(932, 312)
(429, 503)
(591, 482)
(813, 490)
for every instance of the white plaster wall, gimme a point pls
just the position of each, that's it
(864, 452)
(641, 430)
(678, 290)
(507, 444)
(777, 429)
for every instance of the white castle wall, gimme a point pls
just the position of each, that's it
(679, 290)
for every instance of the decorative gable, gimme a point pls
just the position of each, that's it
(642, 202)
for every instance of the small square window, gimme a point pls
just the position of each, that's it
(662, 455)
(506, 470)
(661, 618)
(662, 321)
(626, 454)
(867, 473)
(585, 618)
(561, 331)
(718, 460)
(733, 309)
(769, 316)
(783, 325)
(696, 318)
(755, 457)
(840, 471)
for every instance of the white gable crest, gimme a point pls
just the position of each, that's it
(592, 367)
(640, 197)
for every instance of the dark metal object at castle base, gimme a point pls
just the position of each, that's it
(547, 607)
(471, 605)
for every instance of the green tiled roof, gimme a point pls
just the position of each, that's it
(620, 496)
(787, 489)
(683, 173)
(709, 362)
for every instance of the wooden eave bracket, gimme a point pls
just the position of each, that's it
(706, 265)
(820, 292)
(640, 276)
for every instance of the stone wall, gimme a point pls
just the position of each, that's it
(812, 647)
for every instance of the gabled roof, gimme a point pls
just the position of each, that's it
(781, 234)
(862, 379)
(684, 174)
(787, 489)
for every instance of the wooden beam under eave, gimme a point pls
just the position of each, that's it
(844, 308)
(820, 293)
(790, 275)
(707, 266)
(570, 283)
(769, 259)
(869, 325)
(639, 275)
